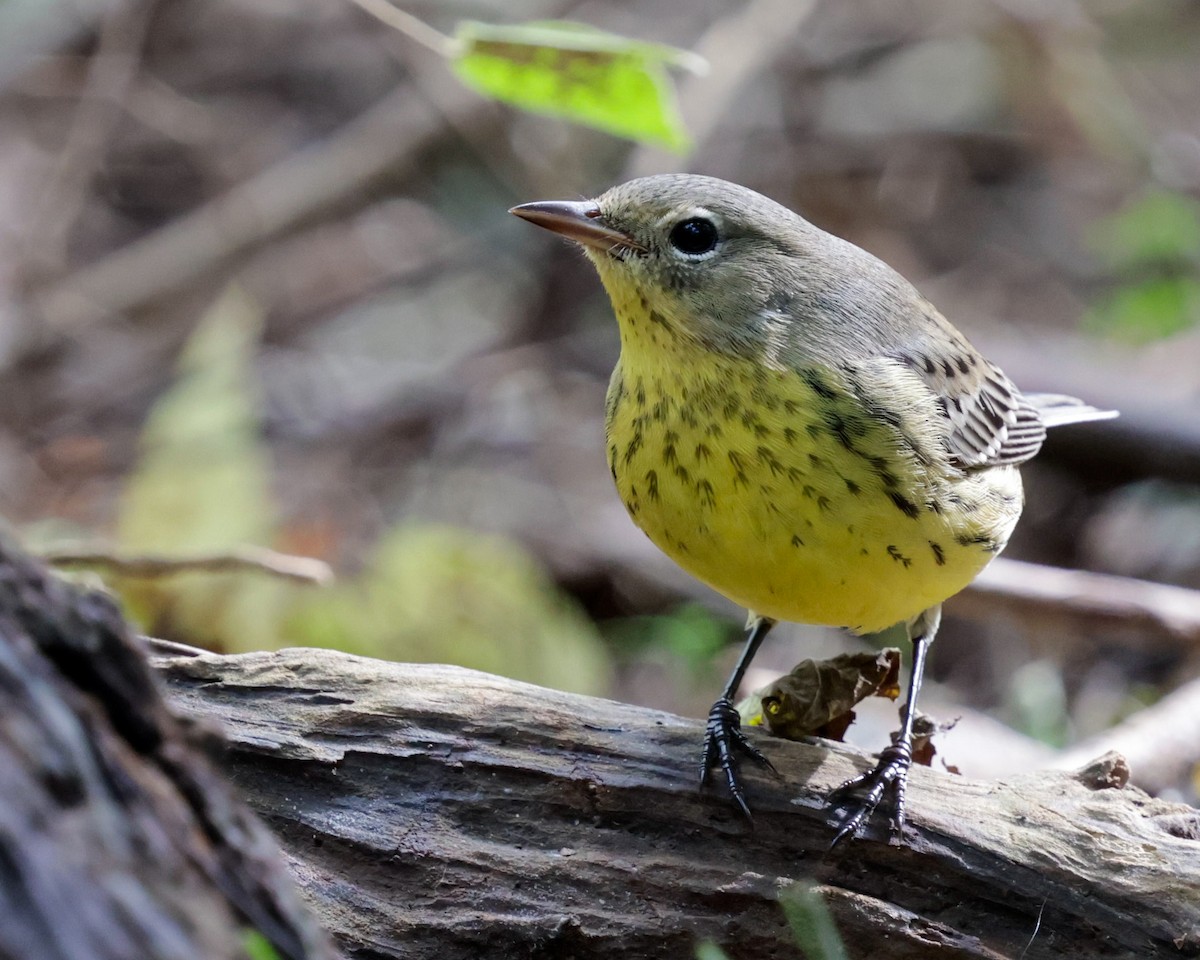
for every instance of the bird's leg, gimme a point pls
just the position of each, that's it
(864, 792)
(723, 736)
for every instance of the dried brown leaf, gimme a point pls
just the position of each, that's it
(818, 696)
(925, 728)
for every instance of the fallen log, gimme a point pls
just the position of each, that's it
(436, 812)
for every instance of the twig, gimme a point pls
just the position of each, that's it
(31, 31)
(1036, 927)
(157, 646)
(475, 119)
(738, 47)
(148, 100)
(243, 559)
(1094, 599)
(110, 75)
(379, 141)
(1161, 743)
(410, 26)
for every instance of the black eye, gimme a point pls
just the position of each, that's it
(694, 236)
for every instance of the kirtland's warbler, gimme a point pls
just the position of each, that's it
(795, 425)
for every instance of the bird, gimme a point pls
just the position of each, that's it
(796, 426)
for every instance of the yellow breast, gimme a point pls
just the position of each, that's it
(816, 495)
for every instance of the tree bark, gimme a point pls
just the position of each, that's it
(119, 839)
(435, 812)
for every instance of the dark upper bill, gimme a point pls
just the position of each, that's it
(578, 220)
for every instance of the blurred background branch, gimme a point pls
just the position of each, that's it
(247, 559)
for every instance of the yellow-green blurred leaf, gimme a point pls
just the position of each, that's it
(1157, 228)
(1037, 702)
(578, 73)
(690, 633)
(258, 947)
(812, 924)
(447, 595)
(201, 480)
(1149, 310)
(202, 483)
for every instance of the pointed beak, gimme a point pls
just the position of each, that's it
(578, 220)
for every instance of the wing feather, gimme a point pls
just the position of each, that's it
(991, 423)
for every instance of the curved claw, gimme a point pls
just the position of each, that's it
(723, 740)
(890, 776)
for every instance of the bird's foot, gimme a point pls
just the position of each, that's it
(723, 739)
(862, 794)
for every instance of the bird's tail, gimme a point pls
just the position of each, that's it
(1058, 410)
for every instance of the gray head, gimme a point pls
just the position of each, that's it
(729, 267)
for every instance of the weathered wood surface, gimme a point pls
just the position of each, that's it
(434, 812)
(119, 839)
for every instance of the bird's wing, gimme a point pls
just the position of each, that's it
(991, 422)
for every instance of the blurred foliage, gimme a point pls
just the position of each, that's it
(429, 593)
(810, 921)
(690, 635)
(1037, 702)
(201, 479)
(572, 71)
(463, 597)
(579, 73)
(258, 947)
(1159, 228)
(1154, 243)
(202, 483)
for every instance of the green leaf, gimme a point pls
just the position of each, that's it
(1158, 228)
(1153, 247)
(439, 594)
(202, 484)
(1150, 310)
(689, 633)
(258, 947)
(812, 924)
(201, 481)
(579, 73)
